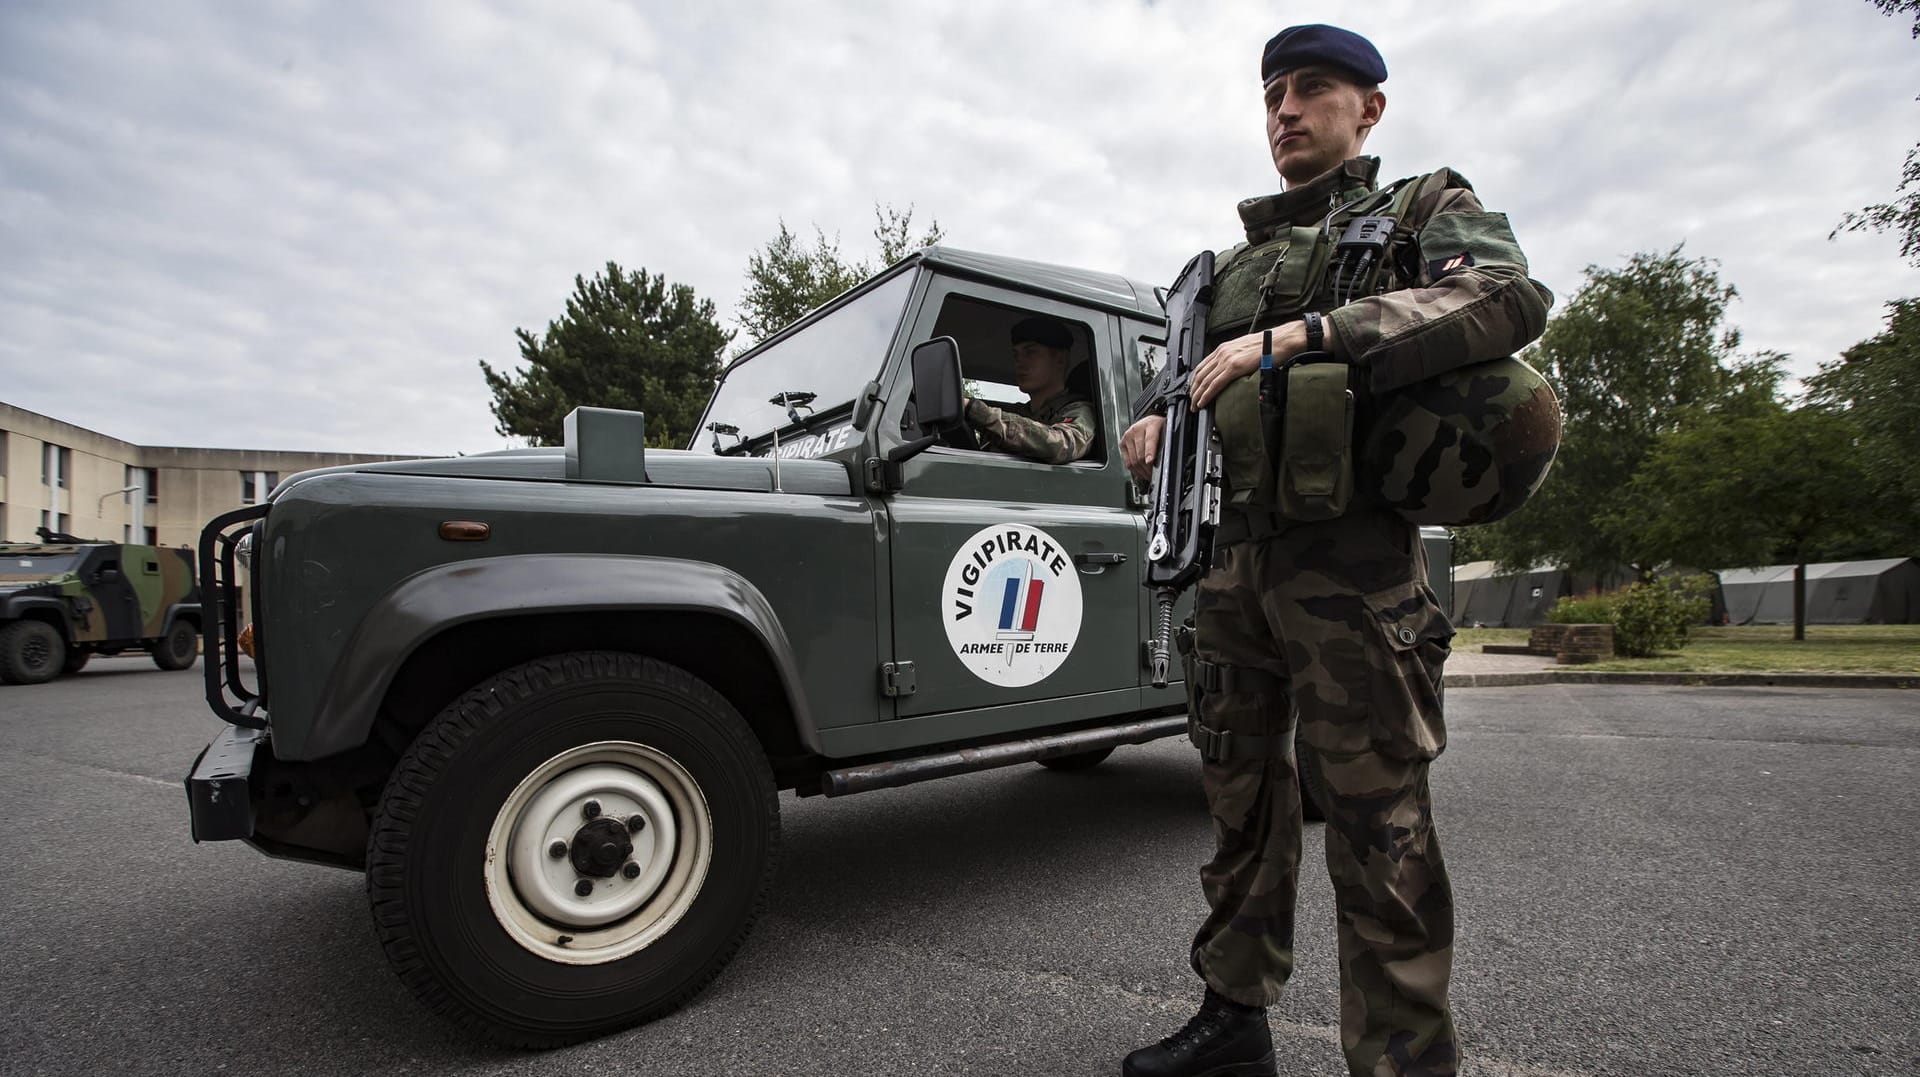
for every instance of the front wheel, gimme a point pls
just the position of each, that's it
(31, 652)
(576, 845)
(176, 649)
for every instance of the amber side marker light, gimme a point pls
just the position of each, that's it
(465, 531)
(245, 642)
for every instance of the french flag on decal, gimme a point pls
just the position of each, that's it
(1020, 606)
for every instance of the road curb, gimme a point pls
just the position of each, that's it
(1696, 680)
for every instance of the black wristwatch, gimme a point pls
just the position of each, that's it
(1316, 336)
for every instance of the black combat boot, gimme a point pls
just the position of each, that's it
(1225, 1039)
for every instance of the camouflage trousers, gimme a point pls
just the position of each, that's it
(1332, 625)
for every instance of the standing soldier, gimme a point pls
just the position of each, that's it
(1318, 606)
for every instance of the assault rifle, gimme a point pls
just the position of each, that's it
(1185, 507)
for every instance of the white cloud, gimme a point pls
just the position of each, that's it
(300, 225)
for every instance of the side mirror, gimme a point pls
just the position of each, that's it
(937, 393)
(938, 399)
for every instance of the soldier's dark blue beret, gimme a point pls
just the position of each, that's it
(1048, 332)
(1298, 46)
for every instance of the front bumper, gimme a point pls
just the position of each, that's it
(219, 793)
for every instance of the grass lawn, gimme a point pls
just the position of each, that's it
(1759, 648)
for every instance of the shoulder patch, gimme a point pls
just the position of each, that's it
(1440, 267)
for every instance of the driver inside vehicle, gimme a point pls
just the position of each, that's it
(1056, 426)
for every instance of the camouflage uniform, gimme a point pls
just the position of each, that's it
(1058, 431)
(1332, 625)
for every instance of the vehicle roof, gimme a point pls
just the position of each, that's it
(1109, 290)
(43, 549)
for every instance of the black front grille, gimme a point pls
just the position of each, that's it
(221, 617)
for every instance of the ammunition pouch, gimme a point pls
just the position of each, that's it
(1314, 480)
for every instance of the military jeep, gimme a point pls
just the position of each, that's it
(62, 602)
(545, 699)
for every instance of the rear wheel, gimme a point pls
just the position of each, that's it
(176, 649)
(576, 845)
(31, 652)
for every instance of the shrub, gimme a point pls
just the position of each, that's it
(1653, 617)
(1588, 609)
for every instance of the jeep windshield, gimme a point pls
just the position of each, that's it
(831, 358)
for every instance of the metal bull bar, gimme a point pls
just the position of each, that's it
(221, 617)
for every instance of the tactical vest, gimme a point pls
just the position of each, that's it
(1467, 447)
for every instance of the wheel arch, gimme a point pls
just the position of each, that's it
(443, 630)
(49, 611)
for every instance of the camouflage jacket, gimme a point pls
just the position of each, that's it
(1057, 432)
(1456, 290)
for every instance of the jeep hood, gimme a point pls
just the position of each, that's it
(665, 467)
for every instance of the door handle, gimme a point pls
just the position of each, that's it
(1093, 564)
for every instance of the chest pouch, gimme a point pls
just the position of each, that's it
(1277, 277)
(1314, 480)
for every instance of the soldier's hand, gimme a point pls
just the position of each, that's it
(1140, 446)
(1239, 357)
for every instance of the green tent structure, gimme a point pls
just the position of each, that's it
(1885, 591)
(1486, 598)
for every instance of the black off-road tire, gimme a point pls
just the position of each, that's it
(76, 660)
(1313, 786)
(177, 649)
(1067, 764)
(427, 879)
(31, 652)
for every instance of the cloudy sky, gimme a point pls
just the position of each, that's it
(299, 225)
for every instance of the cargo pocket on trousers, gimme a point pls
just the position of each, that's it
(1410, 638)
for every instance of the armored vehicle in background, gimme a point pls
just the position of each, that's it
(61, 603)
(546, 698)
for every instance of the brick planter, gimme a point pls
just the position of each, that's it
(1584, 643)
(1546, 639)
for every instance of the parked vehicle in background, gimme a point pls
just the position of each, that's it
(62, 602)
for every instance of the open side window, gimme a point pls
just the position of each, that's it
(983, 330)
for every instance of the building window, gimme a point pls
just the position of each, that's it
(153, 485)
(153, 536)
(256, 485)
(56, 465)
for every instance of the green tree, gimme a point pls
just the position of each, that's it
(1751, 486)
(1902, 215)
(1876, 383)
(787, 278)
(1631, 353)
(627, 340)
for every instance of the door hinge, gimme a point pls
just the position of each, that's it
(896, 679)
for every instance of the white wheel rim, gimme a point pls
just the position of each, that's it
(533, 894)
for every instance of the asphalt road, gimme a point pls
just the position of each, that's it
(1650, 881)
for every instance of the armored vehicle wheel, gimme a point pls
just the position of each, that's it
(1077, 761)
(76, 661)
(177, 648)
(575, 845)
(31, 652)
(1313, 786)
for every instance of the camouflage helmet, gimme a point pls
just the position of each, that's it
(1467, 447)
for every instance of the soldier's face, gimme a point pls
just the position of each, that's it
(1317, 118)
(1038, 368)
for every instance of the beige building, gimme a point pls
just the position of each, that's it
(68, 478)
